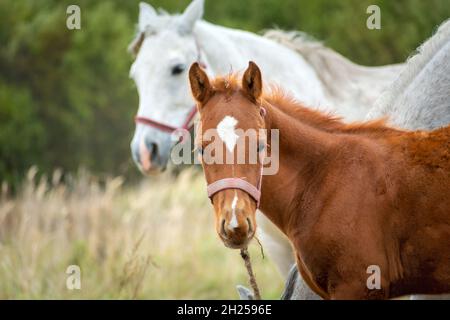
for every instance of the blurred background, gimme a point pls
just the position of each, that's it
(70, 193)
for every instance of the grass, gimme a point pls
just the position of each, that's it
(152, 241)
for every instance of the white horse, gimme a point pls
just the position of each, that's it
(165, 47)
(420, 97)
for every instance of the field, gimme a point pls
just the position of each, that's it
(67, 101)
(152, 241)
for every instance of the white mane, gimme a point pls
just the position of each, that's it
(394, 103)
(350, 87)
(344, 81)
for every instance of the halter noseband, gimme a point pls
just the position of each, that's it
(239, 183)
(188, 124)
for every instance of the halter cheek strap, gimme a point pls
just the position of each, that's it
(239, 183)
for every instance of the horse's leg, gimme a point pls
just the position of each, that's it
(245, 293)
(296, 288)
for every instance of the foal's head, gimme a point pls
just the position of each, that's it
(231, 144)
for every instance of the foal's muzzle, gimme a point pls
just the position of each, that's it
(237, 237)
(235, 217)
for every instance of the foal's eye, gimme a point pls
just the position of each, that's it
(261, 146)
(178, 69)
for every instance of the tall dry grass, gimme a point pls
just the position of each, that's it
(154, 241)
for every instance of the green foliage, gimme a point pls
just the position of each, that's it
(65, 96)
(73, 84)
(21, 132)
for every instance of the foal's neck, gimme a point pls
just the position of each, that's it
(303, 151)
(309, 143)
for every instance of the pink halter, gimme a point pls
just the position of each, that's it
(188, 123)
(239, 183)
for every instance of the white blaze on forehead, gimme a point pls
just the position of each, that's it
(233, 222)
(226, 130)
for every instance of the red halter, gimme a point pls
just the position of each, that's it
(239, 183)
(188, 124)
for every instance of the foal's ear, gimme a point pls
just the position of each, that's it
(200, 86)
(252, 81)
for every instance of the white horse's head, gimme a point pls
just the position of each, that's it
(165, 47)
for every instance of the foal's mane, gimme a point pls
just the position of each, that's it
(278, 98)
(431, 149)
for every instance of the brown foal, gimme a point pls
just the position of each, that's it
(348, 196)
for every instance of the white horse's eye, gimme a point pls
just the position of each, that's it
(178, 69)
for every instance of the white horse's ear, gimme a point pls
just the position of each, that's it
(191, 15)
(146, 15)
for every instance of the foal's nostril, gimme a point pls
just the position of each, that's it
(222, 228)
(250, 226)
